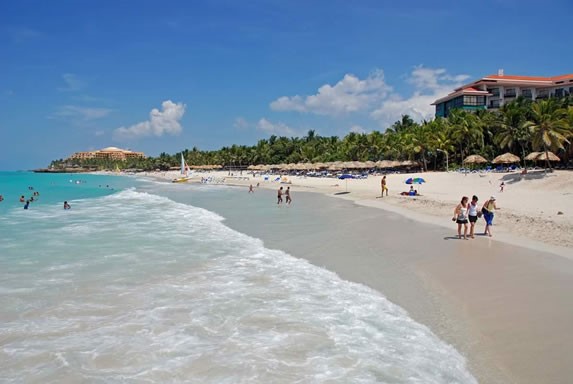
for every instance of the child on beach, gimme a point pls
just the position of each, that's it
(251, 190)
(501, 186)
(461, 217)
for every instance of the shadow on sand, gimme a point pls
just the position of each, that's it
(513, 178)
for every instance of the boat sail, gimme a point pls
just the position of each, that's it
(184, 172)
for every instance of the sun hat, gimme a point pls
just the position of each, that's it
(492, 197)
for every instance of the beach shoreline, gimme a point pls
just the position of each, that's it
(483, 303)
(537, 215)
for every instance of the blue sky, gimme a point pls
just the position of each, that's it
(163, 76)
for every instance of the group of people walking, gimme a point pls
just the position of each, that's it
(467, 212)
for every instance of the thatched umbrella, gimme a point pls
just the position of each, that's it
(384, 164)
(370, 164)
(408, 163)
(550, 156)
(532, 156)
(506, 158)
(475, 159)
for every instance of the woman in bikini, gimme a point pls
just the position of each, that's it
(461, 217)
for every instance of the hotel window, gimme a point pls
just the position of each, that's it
(494, 91)
(571, 90)
(526, 93)
(542, 93)
(509, 92)
(559, 92)
(474, 100)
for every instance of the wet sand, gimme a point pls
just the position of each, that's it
(506, 308)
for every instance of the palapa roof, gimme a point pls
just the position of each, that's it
(506, 158)
(550, 155)
(475, 159)
(532, 156)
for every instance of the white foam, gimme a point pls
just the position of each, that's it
(137, 287)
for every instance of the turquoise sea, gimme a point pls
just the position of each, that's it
(139, 283)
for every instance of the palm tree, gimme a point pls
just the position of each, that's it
(510, 128)
(466, 130)
(548, 126)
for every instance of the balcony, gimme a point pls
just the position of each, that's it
(509, 95)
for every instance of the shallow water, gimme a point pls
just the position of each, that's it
(136, 286)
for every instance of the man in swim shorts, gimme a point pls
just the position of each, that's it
(383, 186)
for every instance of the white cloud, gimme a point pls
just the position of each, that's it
(241, 123)
(429, 84)
(99, 133)
(357, 129)
(373, 96)
(72, 83)
(73, 112)
(166, 121)
(280, 129)
(350, 94)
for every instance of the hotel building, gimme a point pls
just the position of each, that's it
(493, 91)
(109, 153)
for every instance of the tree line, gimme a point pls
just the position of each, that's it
(518, 127)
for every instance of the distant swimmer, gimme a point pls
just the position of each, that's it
(31, 199)
(27, 204)
(22, 199)
(1, 198)
(66, 205)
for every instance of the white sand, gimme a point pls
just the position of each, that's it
(530, 204)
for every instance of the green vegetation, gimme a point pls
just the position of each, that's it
(519, 127)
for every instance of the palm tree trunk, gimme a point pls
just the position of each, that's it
(547, 157)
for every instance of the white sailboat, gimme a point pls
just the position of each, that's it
(184, 172)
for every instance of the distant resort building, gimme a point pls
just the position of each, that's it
(493, 91)
(109, 153)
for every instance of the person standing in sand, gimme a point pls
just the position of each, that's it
(461, 217)
(488, 211)
(383, 186)
(473, 214)
(287, 194)
(280, 195)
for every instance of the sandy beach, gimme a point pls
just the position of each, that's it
(536, 210)
(491, 298)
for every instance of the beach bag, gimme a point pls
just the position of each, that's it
(479, 214)
(484, 211)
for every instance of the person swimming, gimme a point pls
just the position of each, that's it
(22, 199)
(66, 205)
(27, 204)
